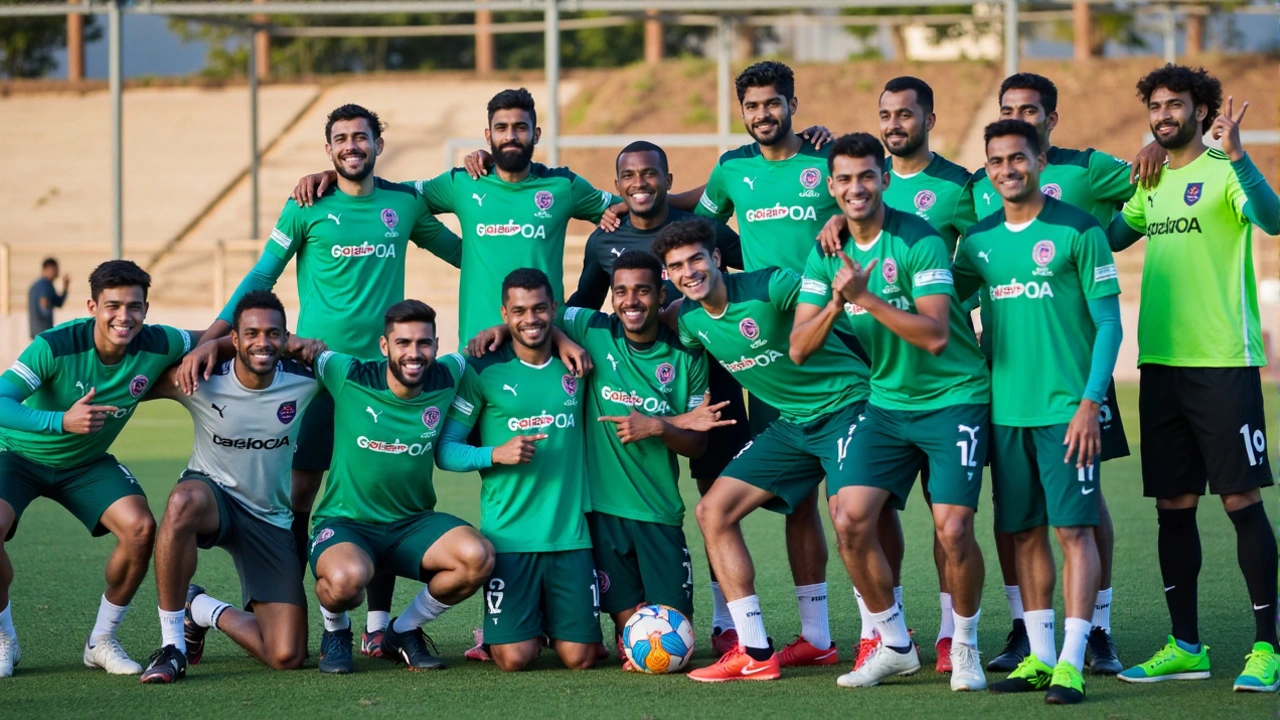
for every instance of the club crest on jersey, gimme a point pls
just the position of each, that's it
(809, 179)
(287, 411)
(1043, 254)
(431, 417)
(925, 200)
(1053, 190)
(138, 385)
(323, 535)
(890, 271)
(749, 329)
(390, 219)
(543, 200)
(1193, 192)
(570, 385)
(666, 372)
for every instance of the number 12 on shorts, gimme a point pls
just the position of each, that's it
(1255, 445)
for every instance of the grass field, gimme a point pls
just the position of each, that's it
(58, 583)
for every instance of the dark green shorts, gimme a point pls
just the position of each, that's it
(532, 594)
(396, 548)
(790, 459)
(265, 555)
(85, 490)
(890, 446)
(640, 562)
(315, 437)
(1033, 487)
(760, 415)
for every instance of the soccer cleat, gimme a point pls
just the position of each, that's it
(1067, 686)
(738, 665)
(723, 642)
(801, 653)
(1031, 675)
(478, 653)
(866, 646)
(371, 644)
(966, 669)
(191, 632)
(167, 665)
(335, 652)
(943, 649)
(1016, 647)
(109, 656)
(1261, 670)
(1102, 653)
(881, 664)
(1170, 663)
(9, 655)
(414, 648)
(622, 655)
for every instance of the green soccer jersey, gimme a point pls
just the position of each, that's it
(506, 226)
(781, 205)
(941, 194)
(350, 253)
(1039, 278)
(911, 262)
(1199, 296)
(752, 340)
(383, 447)
(1091, 180)
(637, 480)
(61, 365)
(541, 505)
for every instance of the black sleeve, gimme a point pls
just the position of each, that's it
(730, 246)
(593, 284)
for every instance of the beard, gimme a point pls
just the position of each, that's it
(394, 367)
(784, 129)
(509, 160)
(912, 144)
(358, 175)
(1186, 133)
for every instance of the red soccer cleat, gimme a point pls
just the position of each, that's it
(738, 665)
(724, 642)
(801, 653)
(477, 653)
(944, 656)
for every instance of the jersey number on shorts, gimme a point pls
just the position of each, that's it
(968, 446)
(493, 597)
(1255, 444)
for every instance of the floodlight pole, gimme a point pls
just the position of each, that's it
(1170, 35)
(724, 50)
(551, 125)
(1010, 37)
(115, 90)
(252, 73)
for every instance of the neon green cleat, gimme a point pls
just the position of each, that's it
(1030, 675)
(1170, 663)
(1067, 686)
(1261, 670)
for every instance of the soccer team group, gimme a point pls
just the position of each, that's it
(849, 329)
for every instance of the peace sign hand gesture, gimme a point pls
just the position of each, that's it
(1226, 127)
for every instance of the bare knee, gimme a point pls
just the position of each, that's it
(579, 658)
(710, 518)
(138, 532)
(286, 658)
(1074, 536)
(184, 507)
(513, 658)
(476, 558)
(853, 527)
(955, 532)
(341, 587)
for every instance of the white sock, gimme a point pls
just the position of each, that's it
(109, 617)
(377, 621)
(334, 621)
(814, 625)
(897, 597)
(171, 629)
(749, 621)
(868, 625)
(422, 610)
(966, 629)
(1040, 634)
(1013, 594)
(1102, 610)
(948, 626)
(206, 609)
(6, 622)
(720, 615)
(1074, 639)
(892, 628)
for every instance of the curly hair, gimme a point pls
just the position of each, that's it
(769, 73)
(698, 231)
(1204, 88)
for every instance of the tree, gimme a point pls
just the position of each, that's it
(29, 46)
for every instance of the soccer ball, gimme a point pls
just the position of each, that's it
(658, 639)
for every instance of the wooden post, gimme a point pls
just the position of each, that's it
(652, 37)
(75, 45)
(1082, 35)
(4, 279)
(261, 48)
(484, 42)
(219, 274)
(1195, 31)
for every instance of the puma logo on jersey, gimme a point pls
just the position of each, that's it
(371, 412)
(751, 182)
(616, 251)
(336, 218)
(479, 198)
(986, 255)
(219, 409)
(704, 337)
(609, 357)
(987, 197)
(81, 387)
(512, 388)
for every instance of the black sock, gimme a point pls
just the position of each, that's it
(1179, 546)
(760, 654)
(302, 537)
(380, 590)
(1256, 552)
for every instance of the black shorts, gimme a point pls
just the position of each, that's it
(1202, 426)
(723, 442)
(1114, 442)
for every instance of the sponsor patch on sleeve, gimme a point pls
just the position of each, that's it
(463, 406)
(695, 401)
(933, 277)
(816, 287)
(706, 203)
(570, 314)
(281, 239)
(186, 340)
(1105, 272)
(323, 360)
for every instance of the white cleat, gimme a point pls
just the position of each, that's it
(882, 664)
(966, 669)
(10, 655)
(109, 656)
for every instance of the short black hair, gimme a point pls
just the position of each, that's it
(698, 231)
(353, 112)
(766, 74)
(258, 300)
(518, 99)
(1204, 88)
(118, 273)
(924, 93)
(640, 146)
(407, 311)
(640, 260)
(856, 145)
(1031, 81)
(1009, 126)
(525, 279)
(49, 261)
